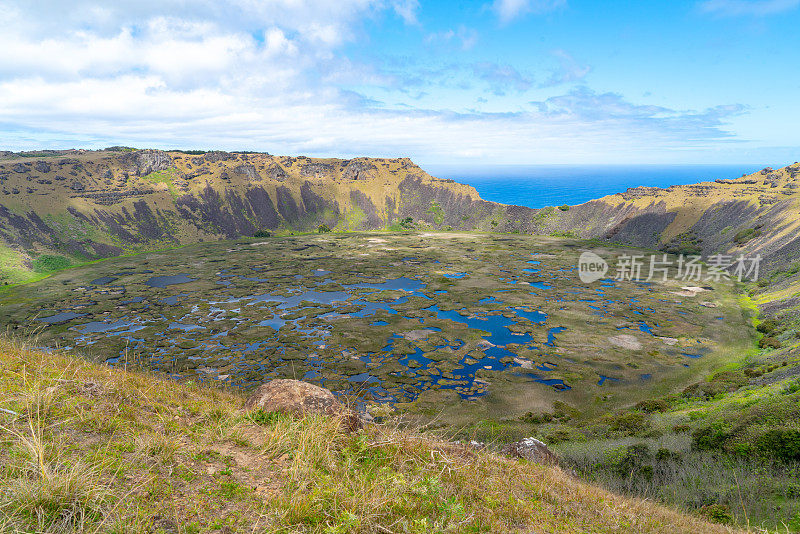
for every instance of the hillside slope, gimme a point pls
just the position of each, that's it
(93, 449)
(90, 205)
(94, 204)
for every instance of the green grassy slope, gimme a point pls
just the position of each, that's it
(91, 449)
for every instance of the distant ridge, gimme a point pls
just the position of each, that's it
(94, 204)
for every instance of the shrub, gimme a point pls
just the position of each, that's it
(50, 262)
(565, 207)
(631, 423)
(716, 512)
(743, 236)
(407, 223)
(537, 419)
(709, 437)
(688, 244)
(323, 229)
(792, 387)
(652, 405)
(769, 342)
(561, 434)
(780, 443)
(665, 455)
(262, 233)
(767, 326)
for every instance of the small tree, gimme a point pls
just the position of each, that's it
(323, 229)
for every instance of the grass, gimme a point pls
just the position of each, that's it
(726, 446)
(50, 262)
(15, 268)
(748, 489)
(95, 449)
(163, 177)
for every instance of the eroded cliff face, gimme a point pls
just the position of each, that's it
(97, 204)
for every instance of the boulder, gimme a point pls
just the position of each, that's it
(42, 166)
(298, 398)
(533, 450)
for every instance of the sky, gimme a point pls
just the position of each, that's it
(489, 82)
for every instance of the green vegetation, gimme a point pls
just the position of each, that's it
(323, 229)
(687, 243)
(545, 213)
(88, 449)
(565, 234)
(743, 236)
(407, 223)
(50, 262)
(437, 211)
(262, 233)
(164, 177)
(727, 447)
(352, 220)
(14, 268)
(564, 207)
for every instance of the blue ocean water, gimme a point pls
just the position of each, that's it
(553, 185)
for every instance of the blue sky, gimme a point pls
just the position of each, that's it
(483, 82)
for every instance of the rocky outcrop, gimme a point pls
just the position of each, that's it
(533, 450)
(248, 171)
(316, 170)
(276, 173)
(144, 162)
(355, 170)
(297, 398)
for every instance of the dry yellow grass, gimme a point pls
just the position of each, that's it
(94, 449)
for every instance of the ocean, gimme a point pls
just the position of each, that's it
(553, 185)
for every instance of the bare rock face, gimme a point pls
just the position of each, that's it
(248, 171)
(356, 170)
(533, 450)
(316, 170)
(299, 398)
(143, 162)
(215, 156)
(276, 173)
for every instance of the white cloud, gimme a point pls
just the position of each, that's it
(569, 70)
(508, 10)
(407, 10)
(466, 37)
(272, 75)
(758, 8)
(502, 78)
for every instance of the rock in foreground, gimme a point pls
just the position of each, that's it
(298, 398)
(533, 450)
